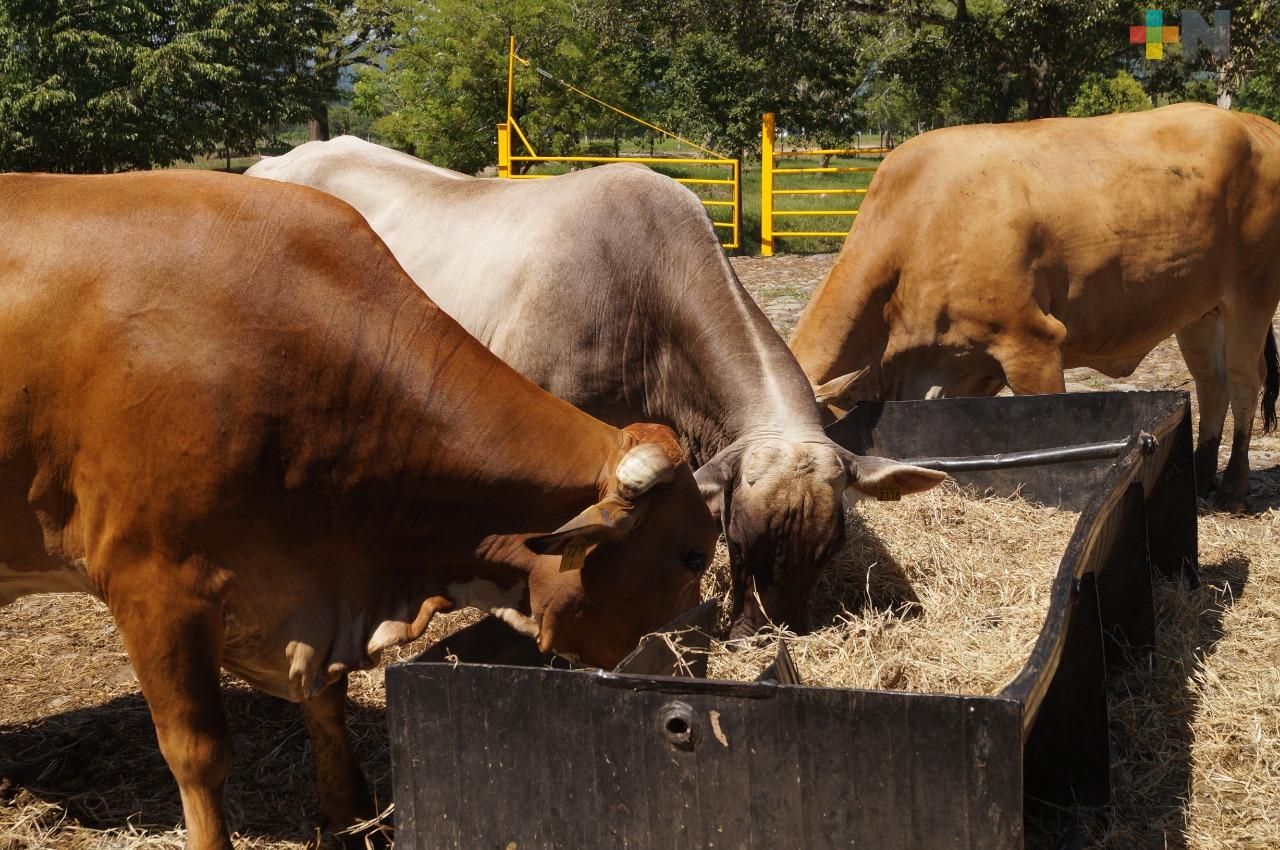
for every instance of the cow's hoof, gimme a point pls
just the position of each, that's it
(1205, 485)
(1228, 502)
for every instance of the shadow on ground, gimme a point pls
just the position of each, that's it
(1264, 490)
(102, 765)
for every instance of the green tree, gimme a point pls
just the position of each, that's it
(108, 86)
(712, 69)
(1242, 78)
(1104, 95)
(1004, 59)
(1260, 90)
(442, 86)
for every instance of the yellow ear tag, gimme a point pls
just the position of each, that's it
(890, 493)
(573, 557)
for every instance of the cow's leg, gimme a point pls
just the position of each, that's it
(340, 785)
(1245, 331)
(1205, 352)
(172, 630)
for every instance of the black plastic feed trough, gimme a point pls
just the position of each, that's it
(502, 756)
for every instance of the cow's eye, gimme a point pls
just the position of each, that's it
(694, 562)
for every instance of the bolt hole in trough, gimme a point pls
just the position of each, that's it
(676, 721)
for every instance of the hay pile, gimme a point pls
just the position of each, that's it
(940, 593)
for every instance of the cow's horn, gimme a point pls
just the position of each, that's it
(839, 389)
(643, 468)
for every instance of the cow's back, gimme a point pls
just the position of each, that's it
(168, 340)
(545, 273)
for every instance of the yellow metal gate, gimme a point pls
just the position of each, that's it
(716, 180)
(770, 193)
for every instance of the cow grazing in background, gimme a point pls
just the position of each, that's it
(989, 256)
(229, 413)
(609, 288)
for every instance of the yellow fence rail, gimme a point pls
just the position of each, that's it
(770, 193)
(719, 190)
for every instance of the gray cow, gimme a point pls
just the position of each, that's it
(608, 287)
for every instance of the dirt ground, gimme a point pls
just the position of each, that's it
(1197, 758)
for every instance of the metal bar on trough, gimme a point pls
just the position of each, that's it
(1034, 457)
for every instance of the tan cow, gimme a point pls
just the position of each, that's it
(1000, 255)
(226, 411)
(609, 288)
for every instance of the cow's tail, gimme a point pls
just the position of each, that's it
(1272, 387)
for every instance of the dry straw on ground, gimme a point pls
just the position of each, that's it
(937, 593)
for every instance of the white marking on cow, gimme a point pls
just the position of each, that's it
(643, 468)
(387, 634)
(502, 603)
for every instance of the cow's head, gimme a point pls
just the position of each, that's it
(782, 508)
(628, 564)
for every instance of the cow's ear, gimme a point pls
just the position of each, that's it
(887, 480)
(608, 519)
(715, 480)
(840, 391)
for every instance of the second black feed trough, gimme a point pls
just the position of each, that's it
(654, 756)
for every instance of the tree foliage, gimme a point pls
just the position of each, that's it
(996, 61)
(442, 85)
(714, 68)
(92, 87)
(100, 86)
(1105, 95)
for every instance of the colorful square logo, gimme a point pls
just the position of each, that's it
(1154, 34)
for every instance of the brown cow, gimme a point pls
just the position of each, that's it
(1000, 255)
(227, 412)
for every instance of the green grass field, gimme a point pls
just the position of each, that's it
(218, 163)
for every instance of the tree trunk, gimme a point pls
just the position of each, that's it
(1225, 89)
(318, 126)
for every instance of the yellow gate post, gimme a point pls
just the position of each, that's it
(769, 172)
(504, 150)
(766, 185)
